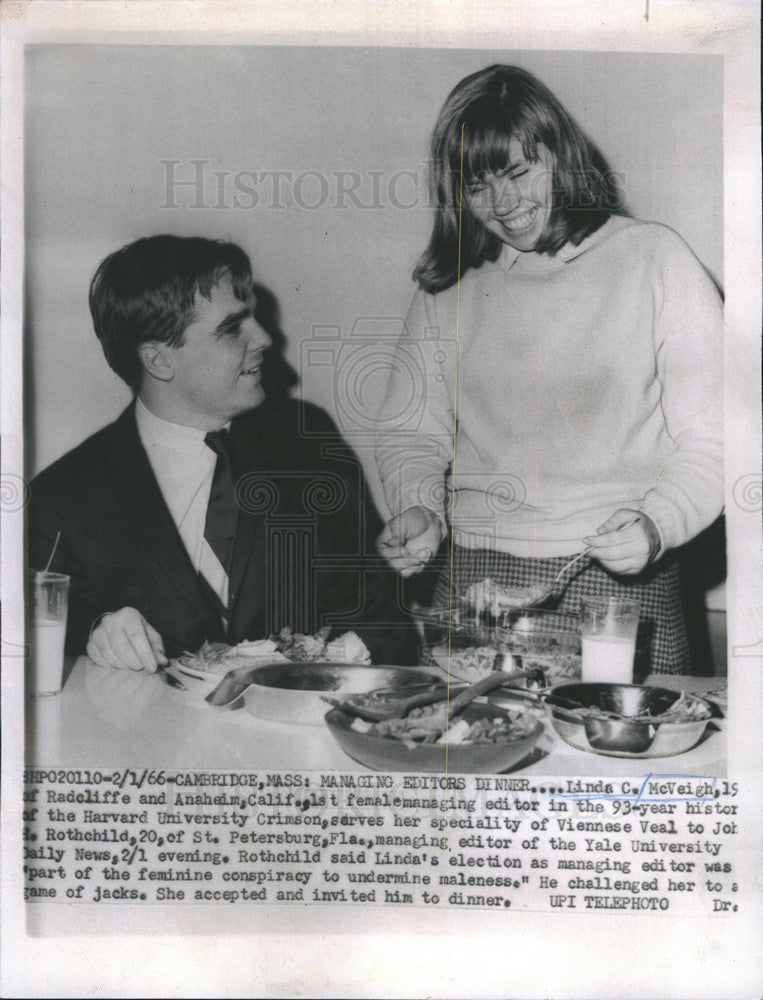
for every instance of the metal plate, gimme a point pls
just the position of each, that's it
(384, 754)
(290, 692)
(628, 700)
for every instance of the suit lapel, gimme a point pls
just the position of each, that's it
(152, 523)
(247, 577)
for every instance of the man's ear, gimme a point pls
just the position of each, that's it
(156, 361)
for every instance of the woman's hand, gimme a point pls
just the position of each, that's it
(410, 540)
(626, 542)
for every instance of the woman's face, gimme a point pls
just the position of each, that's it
(514, 204)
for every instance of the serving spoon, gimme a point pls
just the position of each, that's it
(398, 708)
(535, 597)
(513, 605)
(554, 588)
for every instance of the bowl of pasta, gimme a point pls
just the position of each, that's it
(482, 739)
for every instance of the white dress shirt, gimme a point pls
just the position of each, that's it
(184, 467)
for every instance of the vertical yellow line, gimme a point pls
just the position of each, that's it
(455, 424)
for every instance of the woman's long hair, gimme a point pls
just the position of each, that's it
(493, 107)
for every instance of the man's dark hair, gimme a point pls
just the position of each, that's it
(146, 292)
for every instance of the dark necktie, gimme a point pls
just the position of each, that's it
(222, 512)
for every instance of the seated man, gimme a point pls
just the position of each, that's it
(204, 512)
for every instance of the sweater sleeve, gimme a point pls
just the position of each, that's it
(688, 494)
(416, 422)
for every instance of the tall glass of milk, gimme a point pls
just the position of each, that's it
(609, 632)
(48, 607)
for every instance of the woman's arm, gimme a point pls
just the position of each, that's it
(416, 422)
(688, 493)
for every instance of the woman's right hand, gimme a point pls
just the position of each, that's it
(411, 540)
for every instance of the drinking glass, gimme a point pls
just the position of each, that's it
(609, 632)
(48, 607)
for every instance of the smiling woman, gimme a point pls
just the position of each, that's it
(503, 125)
(514, 204)
(596, 425)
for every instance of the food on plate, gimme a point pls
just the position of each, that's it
(219, 657)
(347, 648)
(303, 648)
(470, 663)
(430, 724)
(258, 648)
(489, 597)
(212, 658)
(687, 708)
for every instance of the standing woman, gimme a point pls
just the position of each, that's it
(572, 369)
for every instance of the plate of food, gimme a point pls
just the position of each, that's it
(628, 720)
(482, 739)
(546, 641)
(215, 659)
(497, 601)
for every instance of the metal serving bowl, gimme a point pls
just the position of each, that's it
(290, 692)
(385, 754)
(623, 736)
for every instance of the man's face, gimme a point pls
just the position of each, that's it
(216, 370)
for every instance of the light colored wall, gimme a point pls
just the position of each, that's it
(101, 119)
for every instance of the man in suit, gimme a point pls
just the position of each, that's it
(204, 512)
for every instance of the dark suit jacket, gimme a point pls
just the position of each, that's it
(303, 554)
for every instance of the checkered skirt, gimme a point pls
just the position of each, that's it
(662, 645)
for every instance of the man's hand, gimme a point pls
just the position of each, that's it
(626, 542)
(410, 540)
(124, 639)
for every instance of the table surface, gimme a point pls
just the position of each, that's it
(119, 718)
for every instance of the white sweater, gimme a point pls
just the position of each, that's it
(579, 384)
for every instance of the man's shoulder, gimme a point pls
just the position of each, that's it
(88, 459)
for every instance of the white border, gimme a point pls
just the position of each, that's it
(448, 954)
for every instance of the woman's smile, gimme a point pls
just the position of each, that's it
(515, 203)
(519, 222)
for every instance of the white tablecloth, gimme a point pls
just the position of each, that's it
(107, 718)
